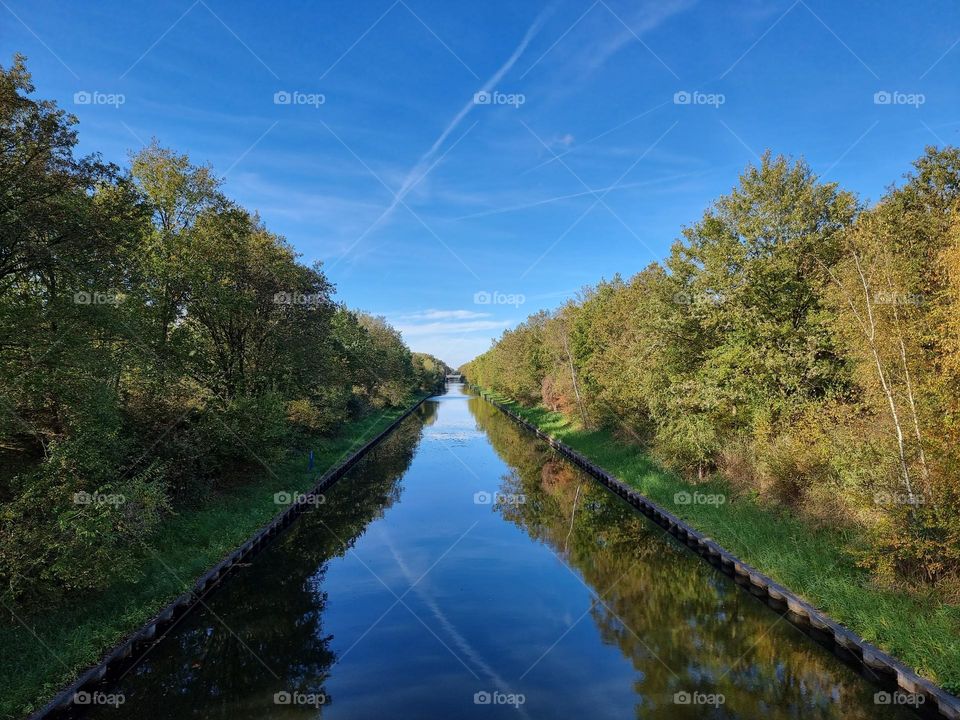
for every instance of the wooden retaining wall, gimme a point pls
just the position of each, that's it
(123, 653)
(882, 665)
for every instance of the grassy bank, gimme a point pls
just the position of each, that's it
(816, 563)
(44, 650)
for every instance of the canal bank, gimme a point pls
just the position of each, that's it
(86, 644)
(879, 666)
(465, 569)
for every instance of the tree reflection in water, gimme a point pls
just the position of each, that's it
(657, 620)
(212, 672)
(685, 626)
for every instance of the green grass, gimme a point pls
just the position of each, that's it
(59, 644)
(918, 628)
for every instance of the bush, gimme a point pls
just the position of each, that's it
(66, 530)
(245, 430)
(322, 413)
(788, 466)
(917, 543)
(737, 464)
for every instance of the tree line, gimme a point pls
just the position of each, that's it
(797, 343)
(157, 340)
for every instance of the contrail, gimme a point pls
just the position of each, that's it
(424, 163)
(459, 640)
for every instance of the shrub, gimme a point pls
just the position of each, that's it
(66, 530)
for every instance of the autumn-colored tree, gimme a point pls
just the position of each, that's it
(153, 336)
(894, 299)
(802, 347)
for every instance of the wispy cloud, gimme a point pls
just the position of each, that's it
(445, 315)
(458, 327)
(426, 161)
(662, 184)
(648, 18)
(454, 335)
(592, 44)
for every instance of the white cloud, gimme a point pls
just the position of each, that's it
(454, 351)
(648, 18)
(459, 327)
(445, 315)
(454, 336)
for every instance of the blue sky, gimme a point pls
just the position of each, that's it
(601, 128)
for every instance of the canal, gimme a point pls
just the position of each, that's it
(464, 570)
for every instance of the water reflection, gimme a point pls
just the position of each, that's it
(262, 633)
(424, 588)
(686, 628)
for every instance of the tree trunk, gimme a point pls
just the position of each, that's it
(573, 377)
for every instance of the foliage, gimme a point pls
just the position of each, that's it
(800, 345)
(917, 625)
(157, 341)
(430, 372)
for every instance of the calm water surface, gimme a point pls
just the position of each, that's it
(425, 588)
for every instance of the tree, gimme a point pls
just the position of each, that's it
(154, 335)
(176, 193)
(802, 347)
(894, 299)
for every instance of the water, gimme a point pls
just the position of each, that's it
(411, 594)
